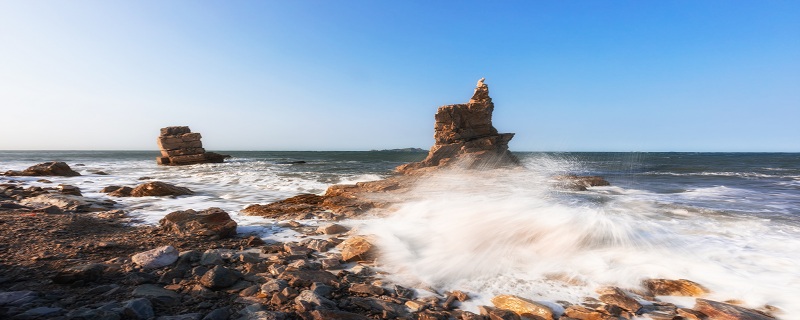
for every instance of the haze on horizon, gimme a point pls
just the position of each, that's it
(362, 75)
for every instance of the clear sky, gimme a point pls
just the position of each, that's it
(361, 75)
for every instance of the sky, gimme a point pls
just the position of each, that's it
(363, 75)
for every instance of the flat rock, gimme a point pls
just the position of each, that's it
(159, 189)
(681, 287)
(723, 311)
(523, 307)
(156, 258)
(17, 298)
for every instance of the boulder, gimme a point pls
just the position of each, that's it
(523, 307)
(69, 190)
(356, 248)
(139, 309)
(156, 258)
(53, 168)
(464, 134)
(579, 183)
(316, 301)
(615, 296)
(681, 287)
(212, 222)
(219, 277)
(159, 189)
(180, 146)
(723, 311)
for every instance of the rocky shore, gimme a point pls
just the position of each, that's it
(66, 256)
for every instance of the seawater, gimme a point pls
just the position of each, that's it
(730, 221)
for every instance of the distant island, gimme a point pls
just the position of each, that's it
(403, 150)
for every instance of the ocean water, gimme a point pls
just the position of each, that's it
(730, 221)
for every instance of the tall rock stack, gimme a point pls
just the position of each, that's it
(180, 146)
(464, 134)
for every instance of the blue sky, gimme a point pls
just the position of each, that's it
(361, 75)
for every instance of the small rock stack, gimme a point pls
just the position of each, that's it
(464, 134)
(180, 146)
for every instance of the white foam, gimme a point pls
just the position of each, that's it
(507, 232)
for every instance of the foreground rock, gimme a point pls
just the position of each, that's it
(149, 189)
(667, 287)
(156, 258)
(464, 134)
(180, 146)
(724, 311)
(212, 222)
(523, 307)
(46, 169)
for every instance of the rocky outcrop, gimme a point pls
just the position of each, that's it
(180, 146)
(212, 222)
(149, 189)
(464, 134)
(46, 169)
(724, 311)
(668, 287)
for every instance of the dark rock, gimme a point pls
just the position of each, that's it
(218, 314)
(156, 294)
(109, 189)
(579, 183)
(188, 316)
(17, 298)
(46, 169)
(724, 311)
(121, 192)
(41, 312)
(69, 189)
(92, 314)
(336, 315)
(404, 292)
(85, 273)
(140, 309)
(220, 277)
(212, 222)
(159, 189)
(379, 306)
(274, 285)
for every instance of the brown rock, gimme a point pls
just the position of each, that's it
(212, 222)
(69, 189)
(357, 248)
(336, 315)
(584, 313)
(304, 278)
(331, 229)
(690, 314)
(55, 168)
(682, 287)
(121, 192)
(304, 203)
(523, 307)
(363, 288)
(464, 133)
(579, 183)
(723, 311)
(617, 297)
(159, 189)
(180, 146)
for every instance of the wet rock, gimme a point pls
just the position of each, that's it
(180, 146)
(502, 314)
(69, 190)
(304, 203)
(579, 183)
(689, 314)
(159, 189)
(464, 134)
(156, 258)
(120, 192)
(140, 309)
(584, 313)
(682, 287)
(523, 307)
(316, 301)
(617, 297)
(331, 229)
(46, 169)
(212, 222)
(86, 273)
(723, 311)
(220, 277)
(356, 248)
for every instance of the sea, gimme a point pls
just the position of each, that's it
(729, 221)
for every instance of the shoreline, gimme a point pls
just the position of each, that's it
(79, 239)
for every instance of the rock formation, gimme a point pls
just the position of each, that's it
(180, 146)
(464, 133)
(46, 169)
